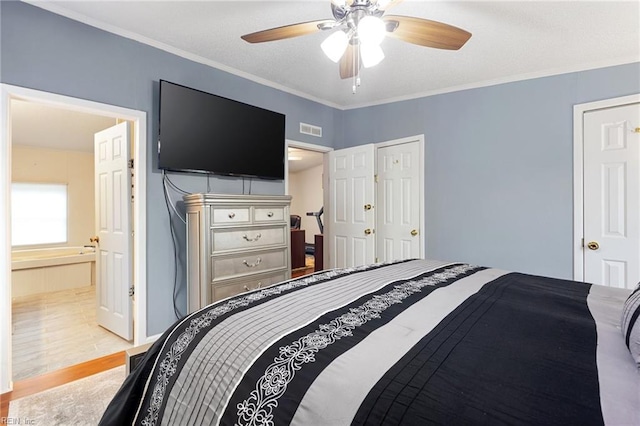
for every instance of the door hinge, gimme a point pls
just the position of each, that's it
(130, 162)
(376, 261)
(132, 291)
(375, 178)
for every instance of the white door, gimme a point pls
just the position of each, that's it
(398, 233)
(113, 230)
(349, 211)
(612, 196)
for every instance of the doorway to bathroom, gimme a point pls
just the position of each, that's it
(52, 321)
(53, 269)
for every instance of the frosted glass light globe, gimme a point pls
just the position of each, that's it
(371, 54)
(335, 45)
(371, 30)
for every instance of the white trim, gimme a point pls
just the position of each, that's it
(301, 145)
(421, 162)
(5, 246)
(578, 172)
(57, 9)
(8, 92)
(501, 80)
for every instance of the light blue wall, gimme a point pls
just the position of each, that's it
(47, 52)
(499, 165)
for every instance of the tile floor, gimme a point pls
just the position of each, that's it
(58, 329)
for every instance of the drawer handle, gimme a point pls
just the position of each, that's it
(232, 215)
(270, 214)
(248, 289)
(252, 265)
(257, 237)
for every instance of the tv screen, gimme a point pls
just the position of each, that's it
(202, 132)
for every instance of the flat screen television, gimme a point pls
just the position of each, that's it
(206, 133)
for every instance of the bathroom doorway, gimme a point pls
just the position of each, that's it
(53, 275)
(35, 154)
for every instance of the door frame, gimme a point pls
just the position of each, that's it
(578, 173)
(139, 118)
(309, 147)
(300, 145)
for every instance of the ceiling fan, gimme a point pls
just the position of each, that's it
(362, 26)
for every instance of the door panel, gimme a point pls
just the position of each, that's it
(113, 263)
(351, 183)
(612, 196)
(398, 195)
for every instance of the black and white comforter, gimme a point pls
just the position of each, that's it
(415, 342)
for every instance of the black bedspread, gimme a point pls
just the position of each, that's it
(415, 342)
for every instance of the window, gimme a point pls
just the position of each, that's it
(38, 213)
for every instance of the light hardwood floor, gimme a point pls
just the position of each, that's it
(56, 330)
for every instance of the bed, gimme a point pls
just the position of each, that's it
(413, 342)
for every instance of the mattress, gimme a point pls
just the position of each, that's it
(413, 342)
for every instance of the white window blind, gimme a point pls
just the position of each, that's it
(38, 213)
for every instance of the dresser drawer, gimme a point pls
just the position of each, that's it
(268, 214)
(224, 290)
(249, 238)
(225, 267)
(230, 215)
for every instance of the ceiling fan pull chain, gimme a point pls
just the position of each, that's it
(355, 64)
(354, 71)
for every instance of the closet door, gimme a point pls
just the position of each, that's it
(398, 189)
(611, 167)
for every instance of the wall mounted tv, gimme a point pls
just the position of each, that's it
(206, 133)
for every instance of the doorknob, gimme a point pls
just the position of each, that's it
(414, 232)
(95, 239)
(593, 245)
(367, 231)
(367, 207)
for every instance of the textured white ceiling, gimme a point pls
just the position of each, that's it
(511, 40)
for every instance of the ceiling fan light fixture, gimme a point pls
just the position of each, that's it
(371, 30)
(371, 54)
(335, 45)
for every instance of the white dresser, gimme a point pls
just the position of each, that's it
(235, 243)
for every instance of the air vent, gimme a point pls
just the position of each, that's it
(309, 129)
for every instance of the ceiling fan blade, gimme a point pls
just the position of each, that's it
(388, 4)
(287, 31)
(427, 33)
(350, 62)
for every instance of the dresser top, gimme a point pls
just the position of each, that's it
(202, 198)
